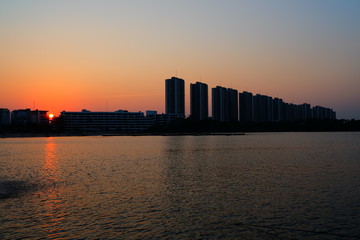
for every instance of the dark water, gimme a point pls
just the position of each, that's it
(257, 186)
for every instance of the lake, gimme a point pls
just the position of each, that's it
(256, 186)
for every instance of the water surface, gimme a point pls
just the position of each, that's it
(257, 186)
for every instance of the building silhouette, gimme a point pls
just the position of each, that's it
(175, 96)
(4, 116)
(270, 108)
(262, 108)
(233, 105)
(118, 121)
(246, 107)
(220, 104)
(304, 111)
(163, 118)
(199, 107)
(27, 116)
(319, 112)
(225, 105)
(278, 109)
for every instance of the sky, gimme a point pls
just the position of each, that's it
(107, 55)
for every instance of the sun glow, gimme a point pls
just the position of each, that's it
(51, 116)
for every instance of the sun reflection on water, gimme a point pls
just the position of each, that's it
(52, 205)
(50, 166)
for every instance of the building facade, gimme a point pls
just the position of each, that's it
(262, 108)
(319, 112)
(220, 104)
(27, 116)
(199, 107)
(246, 107)
(118, 121)
(163, 118)
(233, 105)
(175, 96)
(278, 109)
(4, 116)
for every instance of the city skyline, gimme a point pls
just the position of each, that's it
(106, 56)
(227, 104)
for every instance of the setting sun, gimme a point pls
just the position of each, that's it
(51, 116)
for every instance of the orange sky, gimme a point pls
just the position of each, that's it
(116, 55)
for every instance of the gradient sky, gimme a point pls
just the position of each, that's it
(110, 55)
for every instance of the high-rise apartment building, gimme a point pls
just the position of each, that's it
(175, 96)
(225, 105)
(263, 108)
(233, 104)
(304, 111)
(220, 104)
(199, 108)
(270, 109)
(246, 107)
(260, 108)
(278, 110)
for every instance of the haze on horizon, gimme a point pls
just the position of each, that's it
(110, 55)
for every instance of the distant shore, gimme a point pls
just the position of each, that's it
(38, 135)
(187, 127)
(34, 135)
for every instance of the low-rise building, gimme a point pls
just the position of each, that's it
(163, 118)
(118, 121)
(27, 116)
(4, 116)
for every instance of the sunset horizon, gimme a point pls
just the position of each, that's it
(106, 56)
(106, 105)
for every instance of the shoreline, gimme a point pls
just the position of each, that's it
(35, 135)
(38, 135)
